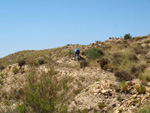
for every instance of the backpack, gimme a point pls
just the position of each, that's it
(77, 50)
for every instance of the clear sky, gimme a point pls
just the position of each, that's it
(43, 24)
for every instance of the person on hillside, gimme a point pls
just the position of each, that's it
(77, 53)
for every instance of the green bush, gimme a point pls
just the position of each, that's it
(127, 36)
(93, 53)
(41, 61)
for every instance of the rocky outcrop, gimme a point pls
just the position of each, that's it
(114, 98)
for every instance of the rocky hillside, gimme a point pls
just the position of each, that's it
(111, 77)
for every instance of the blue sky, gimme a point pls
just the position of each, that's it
(43, 24)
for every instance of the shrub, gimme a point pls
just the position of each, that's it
(140, 50)
(148, 35)
(2, 75)
(123, 75)
(133, 57)
(103, 62)
(70, 53)
(16, 70)
(93, 53)
(2, 67)
(41, 61)
(134, 69)
(141, 89)
(85, 110)
(41, 93)
(124, 86)
(127, 36)
(83, 64)
(119, 98)
(101, 105)
(22, 108)
(21, 62)
(77, 91)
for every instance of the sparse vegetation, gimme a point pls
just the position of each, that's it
(54, 90)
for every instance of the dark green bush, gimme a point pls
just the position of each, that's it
(21, 62)
(127, 36)
(41, 61)
(93, 53)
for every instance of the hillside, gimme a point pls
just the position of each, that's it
(111, 77)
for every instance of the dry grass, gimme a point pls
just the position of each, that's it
(145, 76)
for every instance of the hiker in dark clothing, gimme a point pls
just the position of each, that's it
(77, 52)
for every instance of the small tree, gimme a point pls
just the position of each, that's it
(127, 36)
